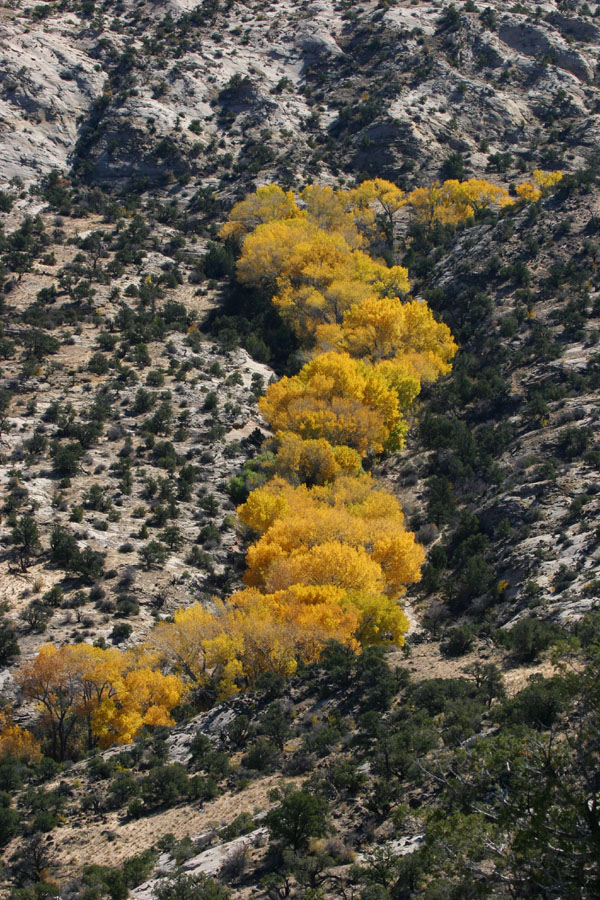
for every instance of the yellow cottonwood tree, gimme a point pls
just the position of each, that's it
(281, 628)
(267, 204)
(101, 690)
(359, 498)
(17, 743)
(226, 648)
(385, 328)
(52, 682)
(479, 194)
(309, 271)
(328, 210)
(313, 461)
(199, 645)
(141, 697)
(545, 179)
(374, 201)
(349, 512)
(528, 192)
(315, 275)
(429, 204)
(328, 565)
(99, 671)
(531, 191)
(332, 554)
(266, 250)
(381, 618)
(340, 399)
(455, 201)
(270, 632)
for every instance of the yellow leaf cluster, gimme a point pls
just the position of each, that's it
(200, 645)
(331, 212)
(455, 201)
(257, 632)
(332, 555)
(339, 399)
(528, 192)
(227, 647)
(314, 274)
(329, 564)
(319, 526)
(141, 697)
(547, 180)
(17, 743)
(385, 197)
(366, 213)
(347, 304)
(312, 461)
(386, 329)
(531, 191)
(106, 693)
(267, 204)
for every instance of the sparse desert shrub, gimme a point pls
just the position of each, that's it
(300, 817)
(262, 756)
(191, 887)
(121, 632)
(530, 637)
(457, 641)
(536, 706)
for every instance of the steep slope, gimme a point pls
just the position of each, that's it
(130, 366)
(227, 91)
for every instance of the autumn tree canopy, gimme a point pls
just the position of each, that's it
(331, 555)
(98, 696)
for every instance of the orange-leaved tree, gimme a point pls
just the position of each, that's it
(96, 695)
(340, 399)
(314, 275)
(17, 743)
(267, 204)
(309, 530)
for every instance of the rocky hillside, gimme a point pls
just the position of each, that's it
(137, 95)
(130, 367)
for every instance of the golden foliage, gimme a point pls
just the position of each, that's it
(377, 197)
(141, 697)
(528, 192)
(340, 399)
(478, 193)
(268, 204)
(328, 564)
(532, 191)
(385, 329)
(103, 690)
(455, 201)
(313, 461)
(328, 210)
(199, 645)
(351, 513)
(315, 275)
(547, 180)
(17, 743)
(332, 555)
(230, 646)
